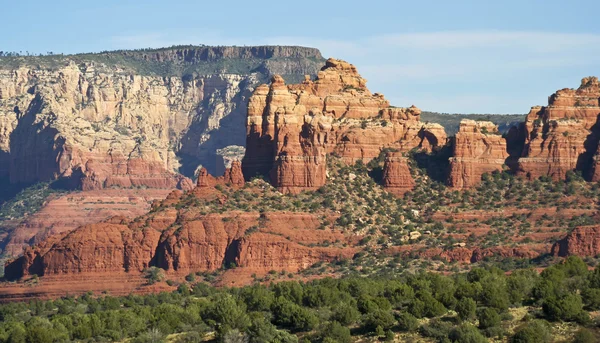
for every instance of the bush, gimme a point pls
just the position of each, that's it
(379, 317)
(436, 329)
(466, 308)
(568, 308)
(407, 322)
(154, 275)
(488, 318)
(337, 333)
(536, 331)
(584, 336)
(467, 333)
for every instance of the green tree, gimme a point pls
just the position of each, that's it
(466, 308)
(537, 331)
(336, 332)
(379, 317)
(584, 336)
(346, 314)
(488, 318)
(467, 333)
(567, 308)
(407, 322)
(228, 313)
(16, 332)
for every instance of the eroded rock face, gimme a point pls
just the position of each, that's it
(66, 212)
(563, 136)
(291, 128)
(233, 177)
(582, 241)
(103, 126)
(478, 148)
(180, 239)
(396, 174)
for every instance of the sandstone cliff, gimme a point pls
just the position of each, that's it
(291, 128)
(563, 136)
(396, 174)
(582, 241)
(102, 124)
(478, 148)
(178, 236)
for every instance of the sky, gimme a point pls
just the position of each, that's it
(476, 56)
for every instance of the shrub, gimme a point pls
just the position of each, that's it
(467, 333)
(584, 336)
(407, 322)
(568, 308)
(379, 317)
(488, 318)
(466, 309)
(154, 275)
(536, 331)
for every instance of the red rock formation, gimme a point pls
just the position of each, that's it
(396, 174)
(182, 241)
(478, 148)
(95, 248)
(63, 213)
(119, 171)
(582, 241)
(290, 129)
(561, 136)
(232, 177)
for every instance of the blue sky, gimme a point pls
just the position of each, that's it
(448, 56)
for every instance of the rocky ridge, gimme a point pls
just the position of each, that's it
(102, 121)
(292, 128)
(183, 239)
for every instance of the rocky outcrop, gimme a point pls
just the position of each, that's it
(291, 128)
(179, 238)
(100, 124)
(478, 148)
(233, 177)
(582, 241)
(563, 136)
(65, 212)
(397, 178)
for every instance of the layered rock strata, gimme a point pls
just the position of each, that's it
(478, 148)
(100, 125)
(397, 178)
(582, 241)
(563, 136)
(292, 128)
(178, 236)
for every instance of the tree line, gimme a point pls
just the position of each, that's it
(468, 307)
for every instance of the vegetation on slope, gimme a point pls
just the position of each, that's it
(451, 121)
(484, 304)
(164, 62)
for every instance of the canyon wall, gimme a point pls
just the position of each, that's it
(138, 122)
